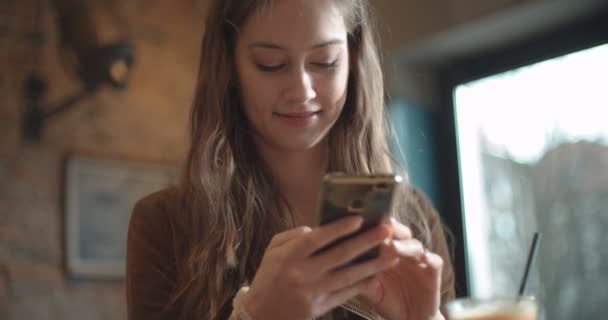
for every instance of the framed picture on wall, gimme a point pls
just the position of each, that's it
(99, 196)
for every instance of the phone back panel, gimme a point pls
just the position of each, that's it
(370, 197)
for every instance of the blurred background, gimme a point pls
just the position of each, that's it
(498, 108)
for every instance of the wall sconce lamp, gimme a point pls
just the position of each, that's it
(96, 63)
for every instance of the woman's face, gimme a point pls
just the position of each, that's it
(292, 64)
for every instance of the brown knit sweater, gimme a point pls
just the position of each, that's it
(156, 244)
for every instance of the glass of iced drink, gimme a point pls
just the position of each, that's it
(516, 308)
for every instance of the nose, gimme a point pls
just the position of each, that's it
(299, 87)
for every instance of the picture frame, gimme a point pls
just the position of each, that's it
(99, 197)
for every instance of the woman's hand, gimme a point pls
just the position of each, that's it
(410, 290)
(293, 282)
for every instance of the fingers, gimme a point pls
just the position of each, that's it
(282, 238)
(400, 231)
(375, 294)
(341, 296)
(411, 249)
(352, 248)
(326, 234)
(434, 261)
(348, 276)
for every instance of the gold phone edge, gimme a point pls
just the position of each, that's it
(341, 178)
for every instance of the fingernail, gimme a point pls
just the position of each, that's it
(357, 222)
(395, 261)
(388, 227)
(414, 246)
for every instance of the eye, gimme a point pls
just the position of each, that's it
(273, 68)
(329, 65)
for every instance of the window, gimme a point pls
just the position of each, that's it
(533, 149)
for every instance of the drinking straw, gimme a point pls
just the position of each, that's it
(529, 263)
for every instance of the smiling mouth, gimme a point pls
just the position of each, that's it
(298, 114)
(298, 119)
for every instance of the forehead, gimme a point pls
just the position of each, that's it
(295, 23)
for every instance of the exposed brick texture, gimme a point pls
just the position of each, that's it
(146, 121)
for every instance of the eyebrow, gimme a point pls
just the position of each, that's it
(270, 45)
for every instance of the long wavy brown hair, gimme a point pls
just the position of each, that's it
(233, 207)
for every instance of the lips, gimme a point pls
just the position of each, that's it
(302, 114)
(300, 119)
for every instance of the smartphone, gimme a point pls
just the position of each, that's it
(368, 196)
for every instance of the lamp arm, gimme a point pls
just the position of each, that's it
(67, 103)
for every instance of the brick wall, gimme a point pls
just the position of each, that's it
(147, 121)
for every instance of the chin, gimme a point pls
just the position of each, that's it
(297, 144)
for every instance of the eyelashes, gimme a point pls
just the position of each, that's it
(265, 68)
(274, 68)
(330, 65)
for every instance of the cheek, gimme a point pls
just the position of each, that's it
(256, 92)
(334, 90)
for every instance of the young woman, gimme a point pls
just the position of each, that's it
(288, 90)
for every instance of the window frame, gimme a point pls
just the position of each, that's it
(580, 35)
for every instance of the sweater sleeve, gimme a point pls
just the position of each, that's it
(150, 265)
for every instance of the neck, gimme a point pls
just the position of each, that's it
(298, 176)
